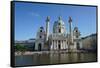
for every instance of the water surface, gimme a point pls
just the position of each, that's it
(39, 59)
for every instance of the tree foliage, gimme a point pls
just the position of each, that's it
(20, 47)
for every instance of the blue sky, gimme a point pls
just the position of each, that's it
(30, 16)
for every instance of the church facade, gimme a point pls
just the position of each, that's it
(59, 39)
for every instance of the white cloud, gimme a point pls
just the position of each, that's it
(35, 14)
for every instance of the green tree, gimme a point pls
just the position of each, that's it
(20, 48)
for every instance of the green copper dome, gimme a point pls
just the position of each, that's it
(59, 26)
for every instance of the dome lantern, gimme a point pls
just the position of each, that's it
(59, 18)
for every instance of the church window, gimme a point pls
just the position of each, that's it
(40, 30)
(59, 24)
(76, 31)
(40, 36)
(59, 30)
(76, 36)
(78, 45)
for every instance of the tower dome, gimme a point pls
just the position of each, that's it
(59, 26)
(76, 32)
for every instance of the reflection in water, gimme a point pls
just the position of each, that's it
(54, 58)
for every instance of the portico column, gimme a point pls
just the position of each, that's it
(51, 48)
(61, 44)
(54, 45)
(64, 44)
(57, 44)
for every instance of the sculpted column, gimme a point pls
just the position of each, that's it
(47, 27)
(70, 29)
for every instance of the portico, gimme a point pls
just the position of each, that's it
(59, 45)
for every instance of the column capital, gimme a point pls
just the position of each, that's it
(70, 19)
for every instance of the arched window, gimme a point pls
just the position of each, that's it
(59, 23)
(76, 30)
(40, 36)
(59, 30)
(76, 36)
(40, 30)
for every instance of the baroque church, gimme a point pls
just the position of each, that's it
(59, 39)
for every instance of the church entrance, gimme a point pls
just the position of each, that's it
(39, 47)
(59, 46)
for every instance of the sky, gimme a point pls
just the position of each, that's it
(30, 16)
